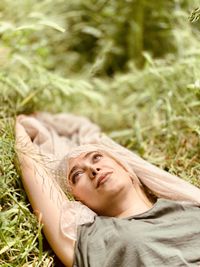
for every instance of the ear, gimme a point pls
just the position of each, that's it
(77, 198)
(132, 178)
(135, 180)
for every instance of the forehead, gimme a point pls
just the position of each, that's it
(82, 157)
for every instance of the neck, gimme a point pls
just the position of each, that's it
(135, 202)
(137, 206)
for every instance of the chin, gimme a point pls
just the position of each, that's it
(114, 187)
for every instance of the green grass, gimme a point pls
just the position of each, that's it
(153, 110)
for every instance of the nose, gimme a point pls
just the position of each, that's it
(93, 172)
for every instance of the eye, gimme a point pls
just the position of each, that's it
(75, 177)
(96, 157)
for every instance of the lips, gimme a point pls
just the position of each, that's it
(102, 178)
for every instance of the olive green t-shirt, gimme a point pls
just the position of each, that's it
(166, 235)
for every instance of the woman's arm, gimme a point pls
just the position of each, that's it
(43, 194)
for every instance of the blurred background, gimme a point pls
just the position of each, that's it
(131, 66)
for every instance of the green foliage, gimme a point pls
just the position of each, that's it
(131, 66)
(95, 37)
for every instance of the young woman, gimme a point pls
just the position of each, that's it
(119, 223)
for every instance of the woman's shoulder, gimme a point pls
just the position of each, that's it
(74, 214)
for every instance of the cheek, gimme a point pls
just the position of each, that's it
(124, 177)
(83, 190)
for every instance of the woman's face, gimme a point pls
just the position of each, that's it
(98, 181)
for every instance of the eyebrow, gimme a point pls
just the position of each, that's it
(75, 167)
